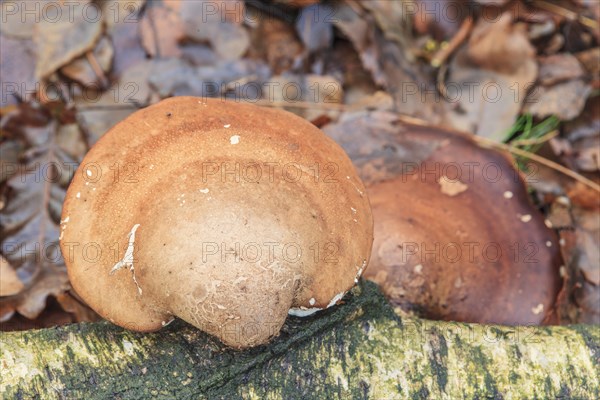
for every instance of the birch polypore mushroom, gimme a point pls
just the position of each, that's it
(457, 238)
(226, 215)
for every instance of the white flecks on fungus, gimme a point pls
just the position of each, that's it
(538, 309)
(451, 187)
(303, 311)
(175, 278)
(335, 299)
(127, 260)
(525, 218)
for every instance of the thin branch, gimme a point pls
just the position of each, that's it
(533, 141)
(566, 13)
(514, 150)
(539, 159)
(96, 67)
(442, 55)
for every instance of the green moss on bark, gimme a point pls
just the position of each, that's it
(361, 349)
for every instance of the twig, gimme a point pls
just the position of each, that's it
(442, 55)
(96, 67)
(439, 59)
(441, 80)
(539, 159)
(514, 150)
(532, 141)
(568, 14)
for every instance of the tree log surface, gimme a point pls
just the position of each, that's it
(358, 350)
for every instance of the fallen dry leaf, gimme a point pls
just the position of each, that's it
(579, 148)
(277, 43)
(430, 24)
(114, 105)
(161, 31)
(231, 41)
(125, 38)
(54, 314)
(558, 68)
(11, 150)
(354, 26)
(590, 59)
(69, 35)
(71, 303)
(17, 68)
(565, 100)
(118, 12)
(391, 16)
(298, 3)
(500, 45)
(574, 212)
(588, 154)
(30, 218)
(385, 52)
(581, 252)
(199, 54)
(315, 28)
(177, 77)
(222, 27)
(10, 284)
(322, 91)
(82, 70)
(385, 154)
(15, 23)
(489, 79)
(173, 77)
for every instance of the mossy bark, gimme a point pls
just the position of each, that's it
(361, 349)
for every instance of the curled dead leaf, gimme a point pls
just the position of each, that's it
(34, 196)
(70, 34)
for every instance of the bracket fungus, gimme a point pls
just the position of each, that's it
(457, 238)
(226, 215)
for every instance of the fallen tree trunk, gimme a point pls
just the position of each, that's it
(361, 349)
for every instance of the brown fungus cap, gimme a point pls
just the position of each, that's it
(226, 215)
(457, 238)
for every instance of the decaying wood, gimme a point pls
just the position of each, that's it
(361, 349)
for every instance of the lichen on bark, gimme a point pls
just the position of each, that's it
(360, 349)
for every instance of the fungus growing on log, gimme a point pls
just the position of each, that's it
(226, 215)
(457, 238)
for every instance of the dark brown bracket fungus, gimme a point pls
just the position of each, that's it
(226, 215)
(457, 238)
